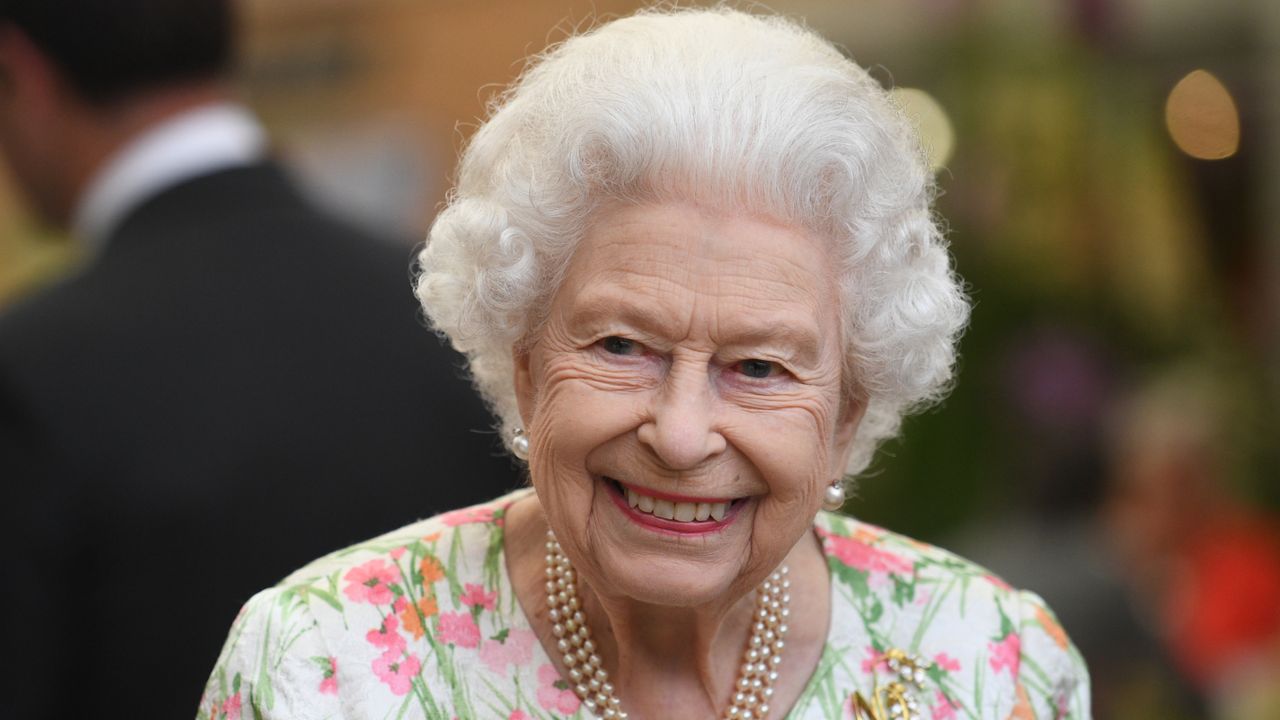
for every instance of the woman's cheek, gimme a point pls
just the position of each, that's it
(788, 445)
(579, 410)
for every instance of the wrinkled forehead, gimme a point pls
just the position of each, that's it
(676, 256)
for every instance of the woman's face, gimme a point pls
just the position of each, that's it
(683, 401)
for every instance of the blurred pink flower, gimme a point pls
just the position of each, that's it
(386, 636)
(943, 709)
(467, 515)
(518, 715)
(476, 596)
(516, 650)
(874, 661)
(998, 582)
(329, 685)
(1006, 654)
(459, 629)
(371, 582)
(946, 662)
(396, 670)
(861, 556)
(554, 693)
(231, 707)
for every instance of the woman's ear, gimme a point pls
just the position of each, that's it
(851, 414)
(524, 384)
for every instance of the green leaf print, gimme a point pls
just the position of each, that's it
(451, 571)
(1006, 625)
(903, 591)
(329, 599)
(855, 579)
(876, 611)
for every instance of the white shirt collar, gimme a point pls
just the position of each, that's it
(209, 138)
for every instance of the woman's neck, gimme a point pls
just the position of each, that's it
(675, 662)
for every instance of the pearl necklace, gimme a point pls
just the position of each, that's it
(590, 681)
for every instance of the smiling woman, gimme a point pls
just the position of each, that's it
(638, 382)
(692, 263)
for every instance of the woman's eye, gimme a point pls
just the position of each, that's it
(758, 368)
(620, 345)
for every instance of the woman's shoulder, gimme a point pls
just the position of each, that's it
(982, 647)
(364, 619)
(864, 549)
(462, 534)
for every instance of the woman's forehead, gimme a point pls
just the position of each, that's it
(681, 239)
(666, 264)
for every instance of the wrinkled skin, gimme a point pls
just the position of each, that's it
(697, 353)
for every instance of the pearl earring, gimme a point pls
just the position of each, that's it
(833, 498)
(520, 444)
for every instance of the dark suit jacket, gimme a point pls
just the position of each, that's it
(237, 385)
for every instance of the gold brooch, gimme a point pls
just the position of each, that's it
(896, 700)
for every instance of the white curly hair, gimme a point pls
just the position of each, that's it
(739, 111)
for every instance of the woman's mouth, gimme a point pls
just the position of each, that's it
(673, 512)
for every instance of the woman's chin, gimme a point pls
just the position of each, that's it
(667, 582)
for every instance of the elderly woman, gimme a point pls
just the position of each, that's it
(691, 260)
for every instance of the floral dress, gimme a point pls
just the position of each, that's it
(423, 623)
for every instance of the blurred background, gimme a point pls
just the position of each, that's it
(1109, 171)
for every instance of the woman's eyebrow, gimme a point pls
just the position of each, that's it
(800, 341)
(596, 308)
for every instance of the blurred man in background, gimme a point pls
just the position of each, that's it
(1202, 563)
(233, 383)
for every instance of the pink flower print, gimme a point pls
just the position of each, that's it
(943, 708)
(874, 661)
(946, 662)
(371, 582)
(467, 515)
(861, 556)
(459, 629)
(329, 685)
(477, 597)
(397, 553)
(386, 636)
(396, 670)
(554, 694)
(518, 715)
(516, 649)
(1006, 654)
(998, 582)
(231, 707)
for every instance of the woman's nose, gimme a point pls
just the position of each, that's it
(682, 427)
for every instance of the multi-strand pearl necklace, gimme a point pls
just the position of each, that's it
(590, 682)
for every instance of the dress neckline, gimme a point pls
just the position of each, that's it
(839, 625)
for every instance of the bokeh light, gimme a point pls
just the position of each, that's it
(931, 122)
(1202, 117)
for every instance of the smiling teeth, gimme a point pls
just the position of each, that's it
(678, 511)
